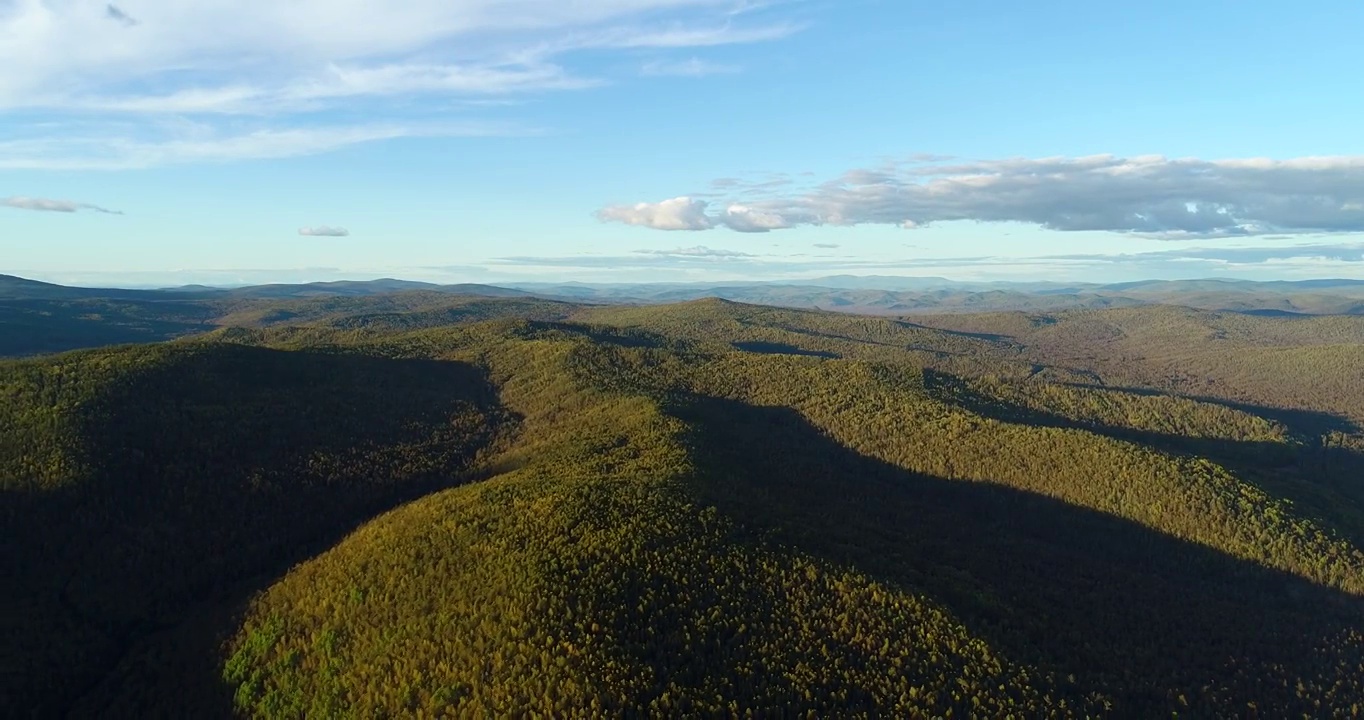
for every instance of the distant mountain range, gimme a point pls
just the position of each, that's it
(17, 288)
(881, 295)
(884, 295)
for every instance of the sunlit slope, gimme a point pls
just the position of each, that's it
(1303, 363)
(685, 528)
(140, 483)
(754, 328)
(688, 511)
(589, 580)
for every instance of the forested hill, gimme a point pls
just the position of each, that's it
(43, 318)
(698, 510)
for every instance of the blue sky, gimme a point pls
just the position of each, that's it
(151, 142)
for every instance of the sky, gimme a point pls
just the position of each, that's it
(165, 142)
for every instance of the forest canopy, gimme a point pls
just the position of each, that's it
(710, 508)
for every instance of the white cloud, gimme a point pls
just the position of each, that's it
(193, 143)
(1338, 252)
(1149, 195)
(283, 60)
(1345, 259)
(747, 219)
(680, 213)
(694, 67)
(698, 251)
(324, 231)
(689, 213)
(45, 205)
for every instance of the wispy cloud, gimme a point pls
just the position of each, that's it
(827, 246)
(1341, 252)
(196, 143)
(324, 231)
(693, 67)
(285, 63)
(1151, 195)
(702, 263)
(738, 263)
(59, 206)
(113, 12)
(699, 251)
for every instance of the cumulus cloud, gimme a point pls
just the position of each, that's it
(324, 231)
(1150, 195)
(744, 218)
(689, 213)
(60, 206)
(679, 213)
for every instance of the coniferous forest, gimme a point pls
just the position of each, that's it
(420, 506)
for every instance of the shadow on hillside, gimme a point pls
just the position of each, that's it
(1126, 610)
(776, 348)
(993, 338)
(818, 334)
(1273, 313)
(37, 327)
(1300, 423)
(214, 473)
(1323, 482)
(625, 337)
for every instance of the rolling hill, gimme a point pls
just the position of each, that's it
(385, 507)
(45, 318)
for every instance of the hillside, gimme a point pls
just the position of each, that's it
(37, 326)
(691, 510)
(1308, 364)
(145, 483)
(45, 318)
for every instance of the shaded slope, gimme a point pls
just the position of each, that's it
(1152, 623)
(38, 326)
(17, 288)
(704, 509)
(592, 577)
(86, 319)
(588, 581)
(144, 482)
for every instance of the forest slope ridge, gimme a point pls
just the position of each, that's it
(141, 483)
(699, 509)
